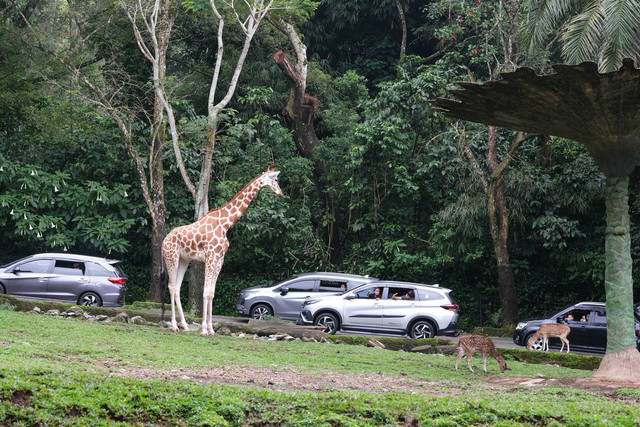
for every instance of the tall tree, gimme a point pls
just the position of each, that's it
(500, 24)
(153, 37)
(106, 84)
(248, 16)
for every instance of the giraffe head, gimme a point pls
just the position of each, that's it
(270, 179)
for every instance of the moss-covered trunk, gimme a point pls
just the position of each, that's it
(622, 359)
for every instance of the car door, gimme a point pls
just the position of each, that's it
(68, 279)
(395, 312)
(364, 309)
(597, 330)
(580, 328)
(289, 300)
(29, 279)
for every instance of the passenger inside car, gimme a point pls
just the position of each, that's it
(408, 296)
(375, 294)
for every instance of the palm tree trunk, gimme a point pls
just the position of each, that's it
(622, 359)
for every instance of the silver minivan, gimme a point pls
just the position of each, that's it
(74, 279)
(285, 299)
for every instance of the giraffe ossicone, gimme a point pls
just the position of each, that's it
(206, 241)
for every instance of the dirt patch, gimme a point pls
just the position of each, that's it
(583, 383)
(20, 398)
(285, 379)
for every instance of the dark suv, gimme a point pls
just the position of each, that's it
(588, 323)
(74, 279)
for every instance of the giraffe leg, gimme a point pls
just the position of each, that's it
(171, 266)
(212, 269)
(181, 270)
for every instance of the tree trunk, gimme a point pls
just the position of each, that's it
(499, 226)
(403, 23)
(622, 359)
(298, 114)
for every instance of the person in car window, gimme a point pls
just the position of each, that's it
(375, 294)
(570, 318)
(408, 296)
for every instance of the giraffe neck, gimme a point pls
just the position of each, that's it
(234, 209)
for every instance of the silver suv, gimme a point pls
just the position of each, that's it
(74, 279)
(386, 307)
(284, 300)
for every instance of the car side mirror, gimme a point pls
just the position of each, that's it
(284, 290)
(16, 270)
(350, 297)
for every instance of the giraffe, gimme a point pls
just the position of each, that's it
(206, 241)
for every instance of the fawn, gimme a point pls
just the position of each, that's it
(471, 343)
(551, 330)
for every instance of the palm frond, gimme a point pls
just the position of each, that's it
(621, 29)
(543, 19)
(583, 37)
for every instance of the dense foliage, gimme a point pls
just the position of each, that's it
(400, 196)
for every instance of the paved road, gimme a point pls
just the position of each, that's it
(500, 342)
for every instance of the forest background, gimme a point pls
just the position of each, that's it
(385, 186)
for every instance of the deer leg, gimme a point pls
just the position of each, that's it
(484, 361)
(460, 354)
(567, 341)
(469, 355)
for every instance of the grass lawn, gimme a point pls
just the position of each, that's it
(58, 371)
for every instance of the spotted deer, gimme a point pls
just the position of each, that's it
(551, 330)
(471, 343)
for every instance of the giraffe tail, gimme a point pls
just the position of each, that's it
(164, 277)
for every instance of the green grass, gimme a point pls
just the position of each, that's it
(58, 371)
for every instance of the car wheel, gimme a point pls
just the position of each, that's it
(90, 299)
(260, 311)
(329, 321)
(422, 329)
(536, 345)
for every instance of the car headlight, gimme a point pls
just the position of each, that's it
(521, 325)
(309, 302)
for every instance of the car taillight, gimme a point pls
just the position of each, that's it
(450, 307)
(117, 280)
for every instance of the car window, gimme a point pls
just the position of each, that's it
(36, 266)
(95, 269)
(69, 268)
(332, 286)
(576, 315)
(399, 292)
(302, 286)
(599, 316)
(368, 292)
(425, 294)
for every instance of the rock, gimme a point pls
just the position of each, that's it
(101, 317)
(426, 349)
(164, 324)
(138, 320)
(75, 311)
(121, 317)
(36, 309)
(195, 327)
(224, 331)
(52, 313)
(375, 343)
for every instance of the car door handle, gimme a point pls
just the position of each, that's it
(42, 279)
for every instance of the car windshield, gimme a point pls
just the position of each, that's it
(13, 262)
